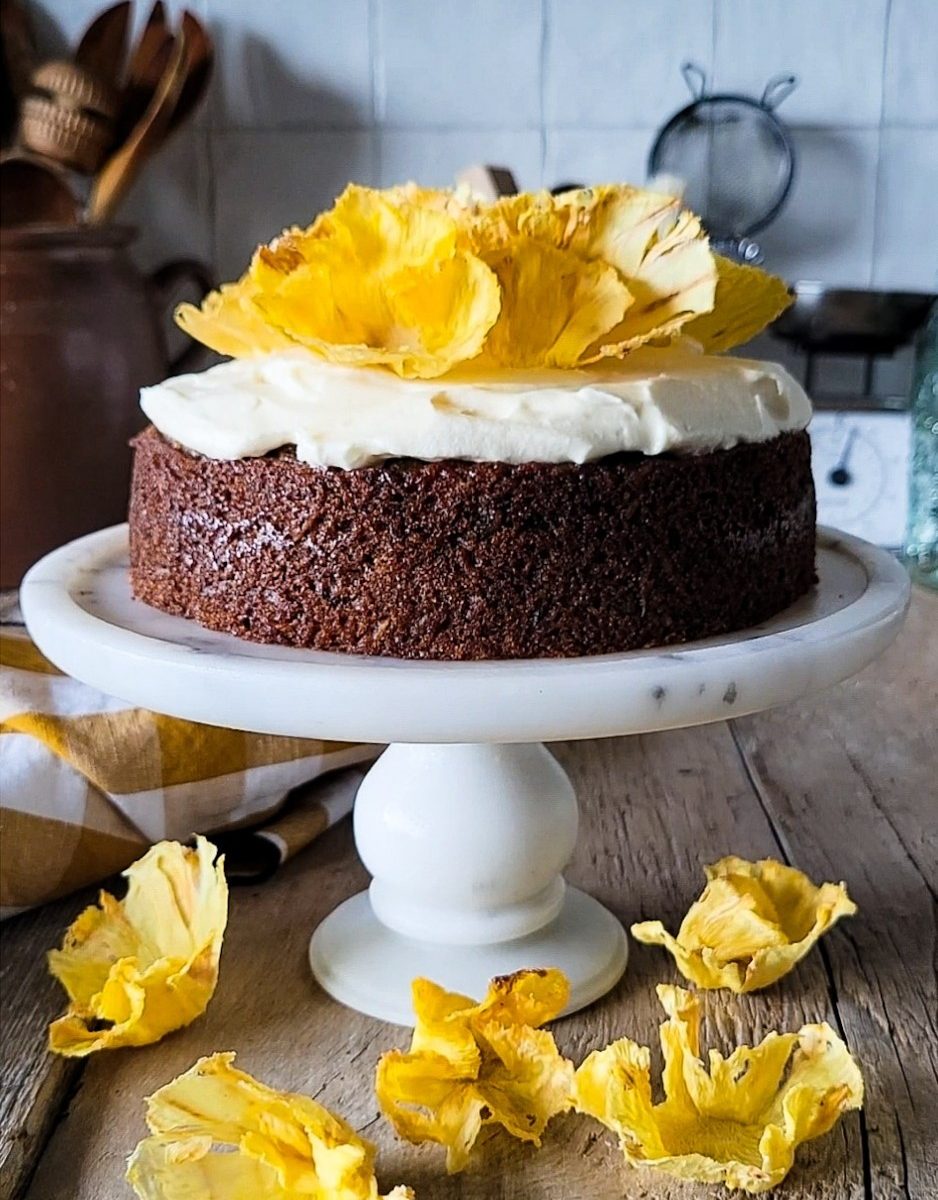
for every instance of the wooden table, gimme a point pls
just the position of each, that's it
(844, 785)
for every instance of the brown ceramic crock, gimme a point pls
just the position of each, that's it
(81, 331)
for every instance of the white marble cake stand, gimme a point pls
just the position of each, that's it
(466, 821)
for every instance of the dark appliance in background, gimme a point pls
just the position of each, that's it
(850, 321)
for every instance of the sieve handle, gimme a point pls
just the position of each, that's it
(696, 79)
(739, 249)
(779, 88)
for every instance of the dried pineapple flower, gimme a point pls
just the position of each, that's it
(753, 922)
(473, 1064)
(217, 1133)
(674, 283)
(138, 968)
(381, 279)
(738, 1122)
(591, 273)
(231, 322)
(553, 305)
(660, 251)
(747, 299)
(422, 279)
(678, 285)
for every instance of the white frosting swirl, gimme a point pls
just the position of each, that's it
(652, 402)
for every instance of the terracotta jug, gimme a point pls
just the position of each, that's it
(81, 331)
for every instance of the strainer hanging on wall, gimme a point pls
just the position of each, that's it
(733, 157)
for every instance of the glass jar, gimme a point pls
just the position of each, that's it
(921, 542)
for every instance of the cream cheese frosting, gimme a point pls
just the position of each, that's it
(653, 402)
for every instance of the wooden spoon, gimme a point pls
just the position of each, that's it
(20, 57)
(201, 60)
(103, 46)
(122, 168)
(148, 62)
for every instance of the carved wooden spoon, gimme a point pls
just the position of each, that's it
(123, 167)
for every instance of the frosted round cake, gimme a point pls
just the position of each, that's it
(569, 503)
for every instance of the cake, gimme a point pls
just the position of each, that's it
(460, 431)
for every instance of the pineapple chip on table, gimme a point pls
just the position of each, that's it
(739, 1122)
(753, 922)
(216, 1133)
(138, 968)
(472, 1064)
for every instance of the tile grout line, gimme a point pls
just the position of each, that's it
(378, 89)
(310, 125)
(544, 55)
(878, 182)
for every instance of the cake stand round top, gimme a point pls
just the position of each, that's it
(80, 612)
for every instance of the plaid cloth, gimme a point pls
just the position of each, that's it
(87, 783)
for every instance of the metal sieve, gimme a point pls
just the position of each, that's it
(734, 158)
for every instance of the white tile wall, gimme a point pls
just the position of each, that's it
(266, 181)
(171, 202)
(448, 64)
(617, 62)
(284, 65)
(825, 230)
(835, 47)
(906, 246)
(911, 79)
(311, 93)
(434, 156)
(596, 155)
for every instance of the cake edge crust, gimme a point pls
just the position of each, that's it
(460, 560)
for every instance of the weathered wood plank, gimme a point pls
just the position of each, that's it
(852, 790)
(34, 1083)
(655, 809)
(686, 803)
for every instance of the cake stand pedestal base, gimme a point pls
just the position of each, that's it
(466, 844)
(367, 966)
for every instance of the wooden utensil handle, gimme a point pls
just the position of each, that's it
(165, 283)
(122, 168)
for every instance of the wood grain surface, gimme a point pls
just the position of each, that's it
(842, 785)
(33, 1083)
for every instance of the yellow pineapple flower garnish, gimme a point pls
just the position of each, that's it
(219, 1134)
(472, 1064)
(753, 922)
(138, 968)
(747, 299)
(422, 280)
(736, 1121)
(378, 280)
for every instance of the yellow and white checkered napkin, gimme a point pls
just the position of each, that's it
(87, 782)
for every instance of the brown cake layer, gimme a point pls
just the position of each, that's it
(460, 560)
